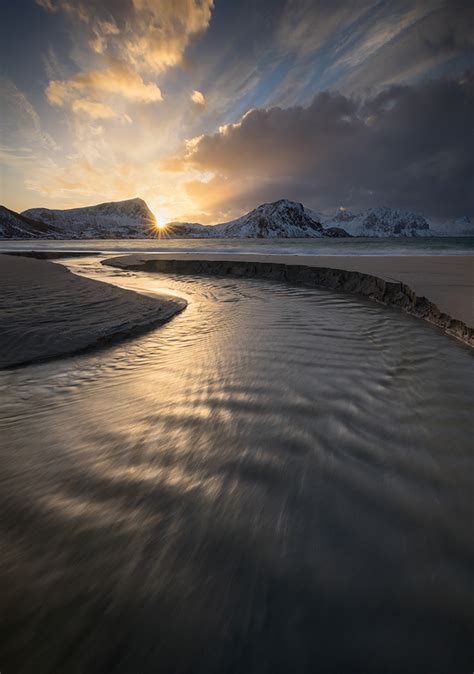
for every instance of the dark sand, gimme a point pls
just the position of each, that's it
(47, 311)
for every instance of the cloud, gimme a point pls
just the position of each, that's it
(407, 146)
(163, 30)
(19, 121)
(93, 109)
(148, 34)
(82, 180)
(101, 30)
(46, 4)
(198, 98)
(25, 143)
(116, 80)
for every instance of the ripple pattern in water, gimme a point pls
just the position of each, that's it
(279, 480)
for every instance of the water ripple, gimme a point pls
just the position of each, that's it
(278, 480)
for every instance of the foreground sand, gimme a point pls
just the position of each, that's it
(47, 311)
(438, 288)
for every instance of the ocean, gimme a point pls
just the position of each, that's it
(353, 246)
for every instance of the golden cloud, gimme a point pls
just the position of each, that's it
(198, 98)
(173, 165)
(163, 29)
(116, 80)
(93, 109)
(150, 34)
(101, 31)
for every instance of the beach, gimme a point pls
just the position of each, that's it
(280, 478)
(236, 337)
(48, 312)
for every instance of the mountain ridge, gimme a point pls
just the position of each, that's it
(14, 225)
(131, 218)
(278, 219)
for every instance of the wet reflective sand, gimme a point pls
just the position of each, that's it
(278, 480)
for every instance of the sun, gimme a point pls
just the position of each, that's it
(160, 221)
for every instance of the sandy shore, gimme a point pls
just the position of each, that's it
(47, 311)
(438, 288)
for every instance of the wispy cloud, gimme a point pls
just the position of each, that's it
(19, 121)
(116, 80)
(150, 34)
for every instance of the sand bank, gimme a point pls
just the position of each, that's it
(47, 311)
(439, 289)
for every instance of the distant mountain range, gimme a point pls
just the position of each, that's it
(288, 219)
(132, 219)
(279, 220)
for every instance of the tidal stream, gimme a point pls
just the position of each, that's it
(279, 480)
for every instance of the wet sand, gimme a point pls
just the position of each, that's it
(439, 288)
(46, 311)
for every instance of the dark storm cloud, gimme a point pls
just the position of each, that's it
(408, 146)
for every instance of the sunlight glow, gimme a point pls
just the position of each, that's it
(161, 220)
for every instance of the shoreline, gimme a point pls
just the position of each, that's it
(438, 289)
(49, 312)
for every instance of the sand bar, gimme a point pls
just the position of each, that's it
(47, 311)
(437, 288)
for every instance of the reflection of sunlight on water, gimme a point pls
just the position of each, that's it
(238, 488)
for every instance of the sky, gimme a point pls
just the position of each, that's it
(207, 108)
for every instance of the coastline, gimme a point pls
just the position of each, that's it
(437, 289)
(49, 312)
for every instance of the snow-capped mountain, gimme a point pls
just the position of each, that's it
(133, 219)
(378, 222)
(289, 219)
(16, 226)
(282, 219)
(455, 227)
(130, 219)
